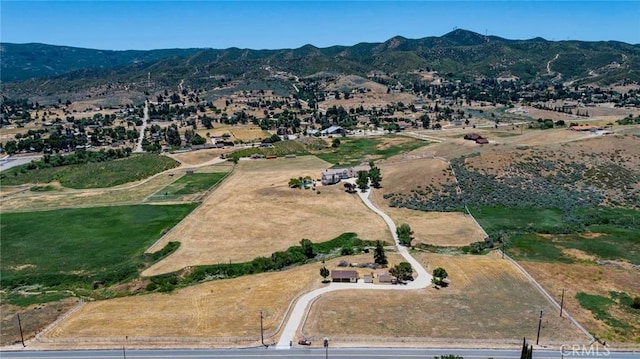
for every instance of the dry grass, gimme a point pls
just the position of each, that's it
(248, 133)
(488, 299)
(34, 318)
(587, 278)
(437, 228)
(196, 158)
(254, 213)
(217, 309)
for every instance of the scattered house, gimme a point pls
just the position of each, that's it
(335, 175)
(202, 147)
(256, 156)
(333, 130)
(289, 156)
(472, 136)
(368, 278)
(313, 132)
(385, 277)
(344, 276)
(456, 122)
(476, 137)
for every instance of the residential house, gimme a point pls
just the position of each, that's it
(344, 276)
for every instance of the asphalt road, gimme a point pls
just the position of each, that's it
(310, 353)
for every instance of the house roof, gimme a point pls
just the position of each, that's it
(344, 274)
(332, 129)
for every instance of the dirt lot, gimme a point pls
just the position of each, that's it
(488, 300)
(591, 279)
(254, 213)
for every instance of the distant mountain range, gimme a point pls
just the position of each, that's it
(47, 69)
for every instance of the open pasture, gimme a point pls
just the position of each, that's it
(216, 309)
(254, 213)
(355, 150)
(488, 300)
(72, 248)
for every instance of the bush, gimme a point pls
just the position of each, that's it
(636, 303)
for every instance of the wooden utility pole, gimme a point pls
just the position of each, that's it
(262, 331)
(539, 326)
(21, 335)
(562, 303)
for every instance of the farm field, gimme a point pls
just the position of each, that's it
(97, 245)
(54, 196)
(355, 150)
(254, 213)
(216, 309)
(597, 265)
(200, 157)
(185, 187)
(488, 301)
(93, 175)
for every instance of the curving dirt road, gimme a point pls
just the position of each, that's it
(145, 118)
(299, 311)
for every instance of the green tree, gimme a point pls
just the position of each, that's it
(379, 256)
(295, 183)
(374, 175)
(307, 248)
(439, 275)
(335, 143)
(362, 181)
(401, 271)
(324, 272)
(405, 234)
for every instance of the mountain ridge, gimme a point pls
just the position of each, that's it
(50, 68)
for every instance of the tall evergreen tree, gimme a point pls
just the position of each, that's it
(379, 256)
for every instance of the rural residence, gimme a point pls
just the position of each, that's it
(344, 276)
(335, 175)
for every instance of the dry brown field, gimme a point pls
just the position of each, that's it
(248, 133)
(216, 309)
(255, 213)
(488, 300)
(592, 279)
(436, 228)
(200, 157)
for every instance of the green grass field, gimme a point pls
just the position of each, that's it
(617, 231)
(74, 248)
(541, 220)
(353, 150)
(186, 185)
(601, 307)
(279, 149)
(92, 175)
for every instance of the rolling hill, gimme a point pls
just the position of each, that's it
(51, 69)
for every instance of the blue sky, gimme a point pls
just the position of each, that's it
(143, 25)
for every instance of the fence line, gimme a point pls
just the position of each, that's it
(66, 315)
(529, 277)
(150, 249)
